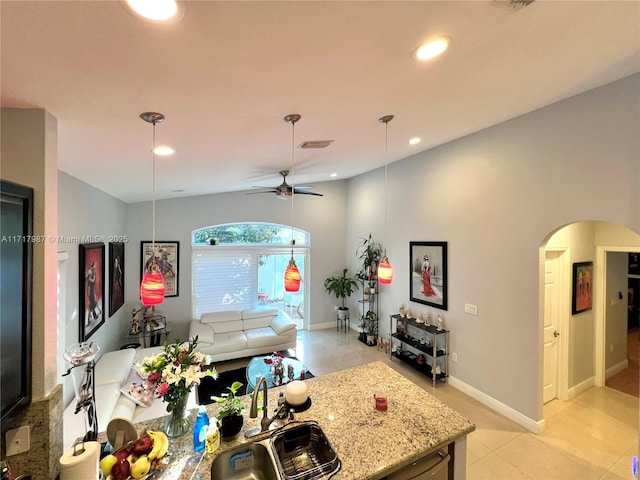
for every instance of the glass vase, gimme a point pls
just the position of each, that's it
(178, 423)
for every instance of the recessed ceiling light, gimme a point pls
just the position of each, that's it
(415, 141)
(158, 10)
(333, 175)
(431, 48)
(163, 150)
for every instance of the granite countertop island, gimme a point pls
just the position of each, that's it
(369, 443)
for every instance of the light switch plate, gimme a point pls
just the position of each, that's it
(17, 440)
(470, 308)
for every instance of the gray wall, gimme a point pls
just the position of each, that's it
(495, 196)
(97, 215)
(323, 217)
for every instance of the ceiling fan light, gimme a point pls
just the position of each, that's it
(292, 277)
(385, 272)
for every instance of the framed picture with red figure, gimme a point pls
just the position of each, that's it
(91, 280)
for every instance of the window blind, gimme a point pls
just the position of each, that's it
(223, 279)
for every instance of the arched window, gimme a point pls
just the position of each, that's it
(241, 265)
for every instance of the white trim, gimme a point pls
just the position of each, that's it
(611, 371)
(533, 426)
(322, 326)
(582, 387)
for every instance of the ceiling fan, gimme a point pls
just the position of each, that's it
(284, 191)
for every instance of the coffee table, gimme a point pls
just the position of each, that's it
(257, 368)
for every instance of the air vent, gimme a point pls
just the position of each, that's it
(316, 144)
(512, 4)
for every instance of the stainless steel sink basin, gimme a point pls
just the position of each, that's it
(303, 452)
(246, 462)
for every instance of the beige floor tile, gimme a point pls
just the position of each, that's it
(543, 462)
(620, 470)
(493, 467)
(476, 449)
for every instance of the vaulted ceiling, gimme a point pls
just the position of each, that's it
(226, 73)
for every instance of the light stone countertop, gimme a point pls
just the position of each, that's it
(369, 443)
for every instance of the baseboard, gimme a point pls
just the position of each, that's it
(581, 387)
(610, 372)
(533, 426)
(322, 326)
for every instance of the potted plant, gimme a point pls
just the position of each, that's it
(229, 416)
(369, 327)
(342, 286)
(369, 252)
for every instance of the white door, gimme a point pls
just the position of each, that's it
(551, 321)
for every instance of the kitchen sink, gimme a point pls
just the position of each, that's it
(297, 451)
(303, 452)
(247, 462)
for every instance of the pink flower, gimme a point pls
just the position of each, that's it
(154, 377)
(163, 389)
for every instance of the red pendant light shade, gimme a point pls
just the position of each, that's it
(385, 272)
(292, 277)
(152, 289)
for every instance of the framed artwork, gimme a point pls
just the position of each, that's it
(91, 280)
(166, 258)
(428, 273)
(116, 276)
(581, 298)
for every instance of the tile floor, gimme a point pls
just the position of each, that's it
(591, 437)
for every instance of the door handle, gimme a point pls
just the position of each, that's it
(556, 333)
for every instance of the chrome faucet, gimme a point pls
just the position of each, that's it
(253, 411)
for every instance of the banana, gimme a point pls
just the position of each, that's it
(160, 444)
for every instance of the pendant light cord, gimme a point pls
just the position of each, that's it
(293, 178)
(153, 202)
(386, 185)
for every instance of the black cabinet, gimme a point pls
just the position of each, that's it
(422, 346)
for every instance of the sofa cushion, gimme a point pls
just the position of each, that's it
(259, 312)
(113, 367)
(282, 324)
(106, 398)
(229, 342)
(256, 322)
(217, 317)
(260, 337)
(203, 331)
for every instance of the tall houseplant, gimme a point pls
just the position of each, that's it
(342, 286)
(369, 252)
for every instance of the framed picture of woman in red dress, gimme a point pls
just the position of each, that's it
(91, 281)
(428, 270)
(582, 299)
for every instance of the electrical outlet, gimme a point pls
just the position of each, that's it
(470, 308)
(454, 356)
(17, 440)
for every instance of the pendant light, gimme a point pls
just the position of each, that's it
(385, 270)
(292, 274)
(152, 288)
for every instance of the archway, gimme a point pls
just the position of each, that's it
(582, 335)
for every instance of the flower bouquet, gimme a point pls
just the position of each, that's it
(172, 373)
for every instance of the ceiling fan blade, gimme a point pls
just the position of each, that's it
(302, 192)
(262, 191)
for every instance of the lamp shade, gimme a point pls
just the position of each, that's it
(152, 289)
(385, 272)
(292, 277)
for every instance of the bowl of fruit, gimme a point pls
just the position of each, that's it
(137, 459)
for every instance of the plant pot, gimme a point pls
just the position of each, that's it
(343, 313)
(230, 426)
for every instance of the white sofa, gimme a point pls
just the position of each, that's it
(243, 333)
(111, 371)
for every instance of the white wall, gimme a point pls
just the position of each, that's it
(97, 215)
(495, 196)
(323, 217)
